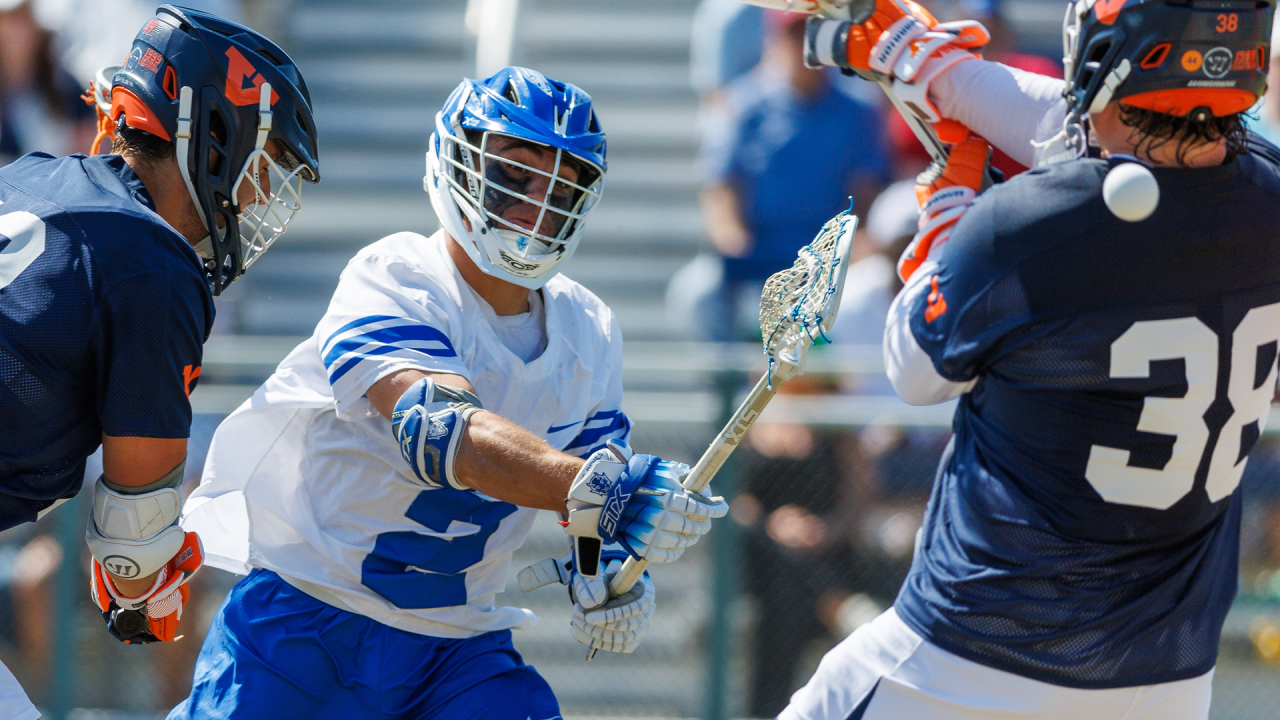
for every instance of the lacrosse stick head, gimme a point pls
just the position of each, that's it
(799, 304)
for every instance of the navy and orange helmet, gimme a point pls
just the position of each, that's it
(1178, 57)
(197, 80)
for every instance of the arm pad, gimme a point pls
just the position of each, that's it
(133, 536)
(428, 422)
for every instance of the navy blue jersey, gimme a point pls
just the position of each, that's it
(103, 311)
(1084, 525)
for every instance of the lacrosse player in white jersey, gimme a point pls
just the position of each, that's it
(376, 485)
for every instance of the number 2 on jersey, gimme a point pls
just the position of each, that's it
(1250, 387)
(24, 233)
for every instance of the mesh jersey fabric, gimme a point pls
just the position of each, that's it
(306, 479)
(1084, 526)
(103, 312)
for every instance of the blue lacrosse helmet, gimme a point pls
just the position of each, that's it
(515, 163)
(197, 80)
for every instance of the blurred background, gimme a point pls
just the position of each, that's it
(724, 157)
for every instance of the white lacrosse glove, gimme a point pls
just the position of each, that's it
(635, 500)
(611, 624)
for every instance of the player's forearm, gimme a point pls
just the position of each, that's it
(504, 461)
(495, 456)
(1000, 103)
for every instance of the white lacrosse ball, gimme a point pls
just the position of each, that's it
(1131, 192)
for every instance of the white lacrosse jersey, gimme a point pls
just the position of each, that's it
(306, 479)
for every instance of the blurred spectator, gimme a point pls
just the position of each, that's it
(728, 39)
(40, 105)
(92, 34)
(795, 508)
(779, 158)
(1267, 122)
(28, 558)
(873, 277)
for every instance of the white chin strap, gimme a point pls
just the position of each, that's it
(183, 143)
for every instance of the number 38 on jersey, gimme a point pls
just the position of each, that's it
(1251, 380)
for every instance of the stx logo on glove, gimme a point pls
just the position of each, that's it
(612, 513)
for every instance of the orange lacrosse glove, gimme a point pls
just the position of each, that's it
(154, 615)
(945, 192)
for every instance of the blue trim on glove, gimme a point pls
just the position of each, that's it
(620, 495)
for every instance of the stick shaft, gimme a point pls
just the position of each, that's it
(708, 465)
(922, 131)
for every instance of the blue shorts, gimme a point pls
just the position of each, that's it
(275, 652)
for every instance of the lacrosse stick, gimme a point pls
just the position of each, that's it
(797, 306)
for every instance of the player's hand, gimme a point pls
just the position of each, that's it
(945, 192)
(637, 501)
(154, 615)
(905, 45)
(612, 624)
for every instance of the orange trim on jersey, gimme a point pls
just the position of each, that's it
(1180, 101)
(189, 377)
(140, 117)
(937, 303)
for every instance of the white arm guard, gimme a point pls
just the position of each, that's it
(1000, 103)
(133, 536)
(909, 367)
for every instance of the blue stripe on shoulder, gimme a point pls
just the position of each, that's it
(391, 336)
(357, 323)
(357, 359)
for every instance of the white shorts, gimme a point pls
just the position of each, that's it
(14, 704)
(885, 671)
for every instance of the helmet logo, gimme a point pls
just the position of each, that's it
(1108, 10)
(240, 69)
(1217, 62)
(1192, 60)
(516, 263)
(151, 60)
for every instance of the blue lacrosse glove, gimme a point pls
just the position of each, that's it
(429, 422)
(637, 501)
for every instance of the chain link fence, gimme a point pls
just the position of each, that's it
(823, 518)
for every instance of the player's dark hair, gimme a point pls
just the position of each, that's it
(1155, 130)
(141, 144)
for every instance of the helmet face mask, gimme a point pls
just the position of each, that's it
(550, 201)
(276, 187)
(512, 176)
